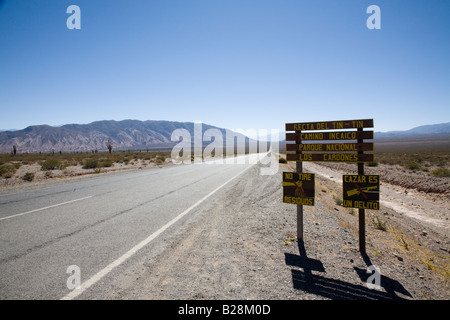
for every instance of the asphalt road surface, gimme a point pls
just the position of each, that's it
(62, 240)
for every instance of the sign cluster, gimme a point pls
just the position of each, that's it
(332, 141)
(360, 191)
(334, 152)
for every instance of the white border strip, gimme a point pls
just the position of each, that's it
(99, 275)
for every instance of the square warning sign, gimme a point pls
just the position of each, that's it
(298, 188)
(361, 191)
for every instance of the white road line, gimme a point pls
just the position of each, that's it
(99, 275)
(40, 209)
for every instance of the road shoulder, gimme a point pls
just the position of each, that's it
(242, 245)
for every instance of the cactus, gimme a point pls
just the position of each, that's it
(109, 146)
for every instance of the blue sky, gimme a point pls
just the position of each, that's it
(248, 64)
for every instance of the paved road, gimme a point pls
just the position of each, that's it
(95, 223)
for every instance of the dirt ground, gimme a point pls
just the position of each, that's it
(243, 245)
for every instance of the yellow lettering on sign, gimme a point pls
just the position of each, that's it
(361, 204)
(358, 123)
(321, 126)
(298, 200)
(305, 157)
(355, 179)
(351, 135)
(340, 157)
(348, 203)
(341, 147)
(312, 136)
(338, 125)
(301, 177)
(304, 176)
(310, 147)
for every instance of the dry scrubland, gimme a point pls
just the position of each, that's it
(436, 162)
(408, 165)
(25, 168)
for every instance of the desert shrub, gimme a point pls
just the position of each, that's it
(7, 171)
(388, 161)
(403, 242)
(50, 164)
(412, 165)
(337, 200)
(161, 159)
(70, 162)
(441, 172)
(373, 164)
(29, 176)
(17, 165)
(105, 163)
(90, 164)
(380, 225)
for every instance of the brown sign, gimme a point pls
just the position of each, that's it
(330, 125)
(361, 191)
(331, 157)
(330, 147)
(358, 193)
(336, 135)
(298, 188)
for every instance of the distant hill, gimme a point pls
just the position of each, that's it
(432, 129)
(125, 134)
(428, 137)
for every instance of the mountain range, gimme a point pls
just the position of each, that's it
(125, 134)
(136, 134)
(432, 129)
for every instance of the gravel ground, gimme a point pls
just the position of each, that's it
(242, 245)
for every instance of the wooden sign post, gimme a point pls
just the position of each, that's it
(330, 151)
